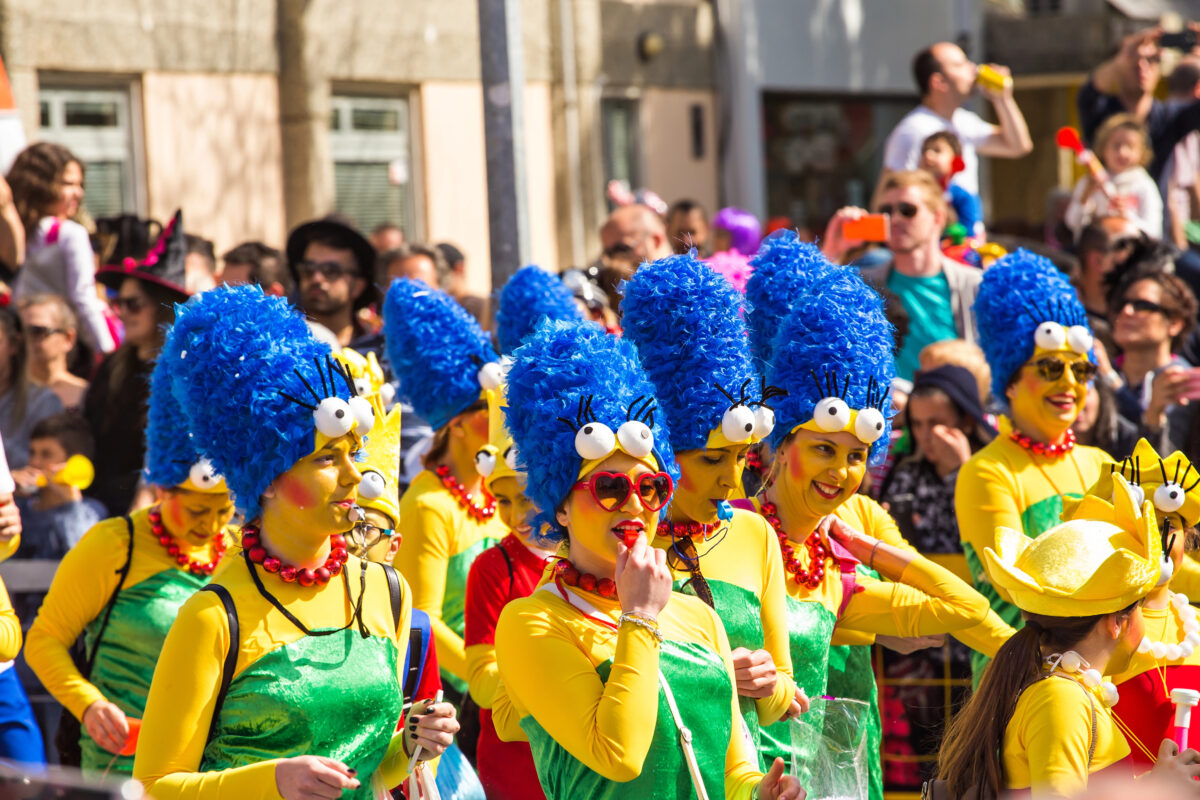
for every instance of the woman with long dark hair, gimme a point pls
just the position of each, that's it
(1041, 719)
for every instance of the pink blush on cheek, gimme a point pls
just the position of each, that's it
(296, 493)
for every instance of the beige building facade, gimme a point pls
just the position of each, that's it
(253, 115)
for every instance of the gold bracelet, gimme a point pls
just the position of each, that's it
(642, 621)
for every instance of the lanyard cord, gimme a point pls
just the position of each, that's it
(356, 606)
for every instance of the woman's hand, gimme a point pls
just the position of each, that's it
(1178, 768)
(106, 724)
(642, 578)
(313, 778)
(949, 448)
(799, 705)
(835, 245)
(832, 529)
(754, 671)
(777, 786)
(432, 727)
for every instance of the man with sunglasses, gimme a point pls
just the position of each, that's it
(334, 265)
(1153, 312)
(936, 291)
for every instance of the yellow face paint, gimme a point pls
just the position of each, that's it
(707, 477)
(195, 517)
(594, 531)
(821, 470)
(313, 499)
(1042, 408)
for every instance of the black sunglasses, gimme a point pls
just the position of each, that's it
(131, 305)
(1051, 369)
(40, 332)
(906, 210)
(1141, 306)
(329, 269)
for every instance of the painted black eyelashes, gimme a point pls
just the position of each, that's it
(765, 394)
(1131, 469)
(645, 410)
(583, 414)
(642, 409)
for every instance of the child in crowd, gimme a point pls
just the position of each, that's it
(1123, 146)
(55, 515)
(941, 156)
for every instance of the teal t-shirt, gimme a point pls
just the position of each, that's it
(930, 316)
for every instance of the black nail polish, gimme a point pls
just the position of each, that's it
(353, 772)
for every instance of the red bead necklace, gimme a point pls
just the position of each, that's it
(690, 529)
(255, 551)
(480, 513)
(200, 569)
(565, 572)
(1043, 449)
(816, 551)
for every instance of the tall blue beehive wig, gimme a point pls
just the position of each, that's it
(573, 388)
(171, 455)
(685, 320)
(785, 270)
(441, 357)
(531, 294)
(836, 344)
(1020, 294)
(256, 387)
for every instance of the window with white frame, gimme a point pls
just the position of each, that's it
(97, 126)
(372, 160)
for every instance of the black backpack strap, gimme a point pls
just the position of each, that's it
(416, 647)
(231, 654)
(90, 661)
(393, 581)
(508, 563)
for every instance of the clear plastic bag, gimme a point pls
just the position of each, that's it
(829, 749)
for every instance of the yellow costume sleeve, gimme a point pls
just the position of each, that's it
(601, 723)
(1047, 740)
(985, 498)
(926, 600)
(423, 560)
(505, 717)
(183, 694)
(844, 636)
(86, 578)
(9, 547)
(987, 636)
(483, 676)
(10, 627)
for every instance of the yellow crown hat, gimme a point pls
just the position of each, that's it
(380, 486)
(498, 458)
(1097, 565)
(1168, 483)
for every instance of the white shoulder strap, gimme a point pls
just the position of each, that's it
(685, 739)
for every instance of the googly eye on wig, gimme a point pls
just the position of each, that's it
(333, 417)
(203, 475)
(1139, 494)
(364, 415)
(362, 386)
(737, 424)
(764, 422)
(1050, 336)
(372, 486)
(485, 462)
(510, 457)
(831, 414)
(491, 376)
(1080, 339)
(869, 425)
(595, 440)
(636, 438)
(1169, 498)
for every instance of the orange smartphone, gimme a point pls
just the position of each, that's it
(869, 228)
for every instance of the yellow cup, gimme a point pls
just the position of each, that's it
(990, 79)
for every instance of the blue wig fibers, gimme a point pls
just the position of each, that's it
(834, 342)
(531, 294)
(248, 372)
(565, 376)
(436, 349)
(785, 270)
(170, 447)
(1018, 293)
(685, 320)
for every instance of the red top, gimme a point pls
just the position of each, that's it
(1148, 713)
(503, 572)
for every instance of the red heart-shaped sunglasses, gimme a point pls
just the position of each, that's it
(611, 490)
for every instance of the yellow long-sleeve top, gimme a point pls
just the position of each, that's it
(549, 653)
(745, 572)
(10, 627)
(440, 541)
(1004, 485)
(86, 578)
(1046, 741)
(864, 514)
(184, 692)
